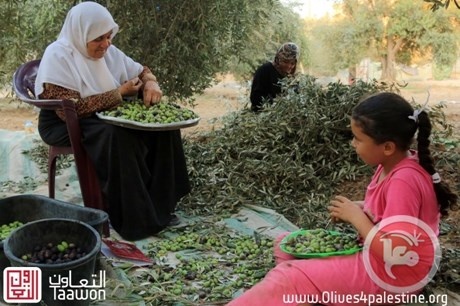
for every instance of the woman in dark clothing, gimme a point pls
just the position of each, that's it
(265, 84)
(142, 174)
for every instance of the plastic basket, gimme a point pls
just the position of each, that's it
(284, 245)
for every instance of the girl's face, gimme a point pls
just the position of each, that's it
(97, 47)
(366, 148)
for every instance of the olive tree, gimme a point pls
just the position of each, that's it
(390, 32)
(262, 44)
(184, 42)
(26, 28)
(187, 42)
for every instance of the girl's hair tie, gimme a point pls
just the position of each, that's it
(436, 178)
(418, 111)
(415, 115)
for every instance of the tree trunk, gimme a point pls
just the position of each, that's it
(388, 69)
(389, 61)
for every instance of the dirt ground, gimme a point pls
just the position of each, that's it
(446, 92)
(229, 95)
(216, 101)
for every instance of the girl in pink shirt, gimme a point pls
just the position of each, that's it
(404, 186)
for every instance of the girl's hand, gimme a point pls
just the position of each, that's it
(152, 93)
(351, 212)
(344, 209)
(130, 87)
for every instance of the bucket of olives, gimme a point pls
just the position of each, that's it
(319, 243)
(56, 246)
(162, 116)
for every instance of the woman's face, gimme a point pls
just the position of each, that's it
(287, 66)
(97, 47)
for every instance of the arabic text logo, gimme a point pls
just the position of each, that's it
(22, 285)
(401, 254)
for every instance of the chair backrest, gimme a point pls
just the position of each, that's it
(24, 86)
(24, 80)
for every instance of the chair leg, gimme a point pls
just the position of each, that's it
(51, 175)
(89, 183)
(106, 229)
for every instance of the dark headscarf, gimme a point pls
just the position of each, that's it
(288, 51)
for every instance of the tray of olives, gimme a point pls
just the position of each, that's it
(158, 117)
(7, 228)
(319, 243)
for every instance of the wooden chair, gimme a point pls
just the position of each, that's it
(23, 85)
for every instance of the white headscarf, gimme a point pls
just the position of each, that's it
(66, 62)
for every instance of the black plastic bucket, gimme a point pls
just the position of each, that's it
(27, 208)
(56, 291)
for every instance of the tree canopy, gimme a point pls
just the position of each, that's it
(391, 32)
(185, 42)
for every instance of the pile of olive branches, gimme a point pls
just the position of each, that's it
(289, 157)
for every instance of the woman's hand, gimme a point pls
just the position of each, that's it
(344, 209)
(130, 87)
(152, 93)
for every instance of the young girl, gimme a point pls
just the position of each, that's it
(405, 184)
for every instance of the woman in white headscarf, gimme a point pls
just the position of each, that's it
(142, 174)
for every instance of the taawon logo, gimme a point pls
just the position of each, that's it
(401, 254)
(22, 285)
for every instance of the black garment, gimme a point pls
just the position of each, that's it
(143, 174)
(265, 85)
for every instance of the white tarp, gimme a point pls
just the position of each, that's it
(16, 167)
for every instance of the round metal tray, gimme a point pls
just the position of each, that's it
(149, 126)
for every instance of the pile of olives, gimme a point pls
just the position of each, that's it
(54, 253)
(160, 113)
(320, 241)
(6, 229)
(209, 266)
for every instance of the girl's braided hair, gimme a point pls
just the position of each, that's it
(387, 117)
